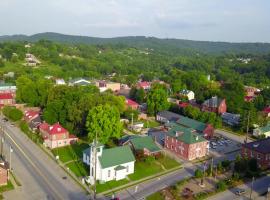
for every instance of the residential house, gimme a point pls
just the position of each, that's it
(265, 130)
(258, 150)
(186, 143)
(107, 85)
(144, 144)
(8, 88)
(132, 104)
(266, 111)
(111, 164)
(60, 81)
(144, 85)
(32, 117)
(251, 93)
(6, 99)
(79, 81)
(187, 94)
(230, 118)
(4, 172)
(167, 116)
(207, 130)
(31, 60)
(215, 104)
(55, 135)
(35, 123)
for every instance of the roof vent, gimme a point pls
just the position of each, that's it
(256, 145)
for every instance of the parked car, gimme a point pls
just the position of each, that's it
(240, 192)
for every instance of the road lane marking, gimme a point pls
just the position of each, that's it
(34, 166)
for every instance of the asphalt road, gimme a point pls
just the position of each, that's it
(259, 186)
(41, 177)
(147, 188)
(232, 136)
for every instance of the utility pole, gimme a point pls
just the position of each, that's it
(132, 118)
(10, 151)
(95, 173)
(251, 187)
(247, 127)
(212, 162)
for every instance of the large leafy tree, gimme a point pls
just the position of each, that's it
(104, 120)
(157, 99)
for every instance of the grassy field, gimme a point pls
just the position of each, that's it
(167, 162)
(144, 169)
(7, 187)
(72, 152)
(110, 185)
(78, 168)
(155, 196)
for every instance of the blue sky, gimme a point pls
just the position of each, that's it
(214, 20)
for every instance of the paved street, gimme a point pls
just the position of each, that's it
(260, 186)
(41, 177)
(231, 136)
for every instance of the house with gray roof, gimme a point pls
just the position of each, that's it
(112, 164)
(79, 82)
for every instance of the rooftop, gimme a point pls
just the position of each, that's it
(53, 129)
(6, 96)
(191, 123)
(261, 146)
(170, 116)
(147, 142)
(116, 156)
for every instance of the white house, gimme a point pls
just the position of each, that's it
(265, 130)
(112, 164)
(79, 81)
(60, 82)
(187, 93)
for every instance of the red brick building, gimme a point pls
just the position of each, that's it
(3, 172)
(260, 150)
(56, 136)
(215, 104)
(186, 143)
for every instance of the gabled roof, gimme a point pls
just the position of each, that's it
(267, 109)
(170, 116)
(191, 123)
(131, 102)
(6, 96)
(144, 84)
(261, 146)
(30, 114)
(214, 102)
(52, 129)
(127, 138)
(116, 156)
(186, 135)
(147, 142)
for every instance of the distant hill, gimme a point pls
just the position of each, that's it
(165, 45)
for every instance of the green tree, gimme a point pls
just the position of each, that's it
(12, 113)
(157, 99)
(104, 120)
(198, 173)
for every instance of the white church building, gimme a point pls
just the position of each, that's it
(112, 164)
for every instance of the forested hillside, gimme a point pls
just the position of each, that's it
(172, 46)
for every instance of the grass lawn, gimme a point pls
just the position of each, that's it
(144, 169)
(72, 152)
(78, 168)
(110, 185)
(167, 162)
(151, 124)
(7, 187)
(155, 196)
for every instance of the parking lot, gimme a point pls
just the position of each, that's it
(220, 145)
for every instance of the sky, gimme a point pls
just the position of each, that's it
(211, 20)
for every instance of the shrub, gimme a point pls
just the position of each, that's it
(12, 113)
(221, 186)
(198, 173)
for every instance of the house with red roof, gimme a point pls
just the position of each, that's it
(55, 135)
(132, 104)
(144, 85)
(266, 111)
(29, 115)
(6, 99)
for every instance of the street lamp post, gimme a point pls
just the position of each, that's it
(10, 151)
